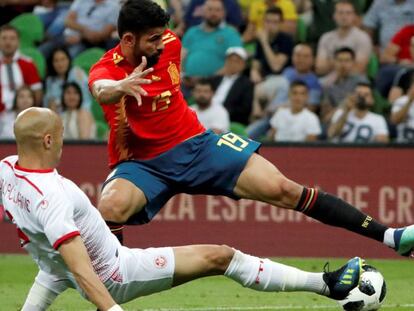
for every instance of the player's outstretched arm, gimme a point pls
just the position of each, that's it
(111, 91)
(76, 258)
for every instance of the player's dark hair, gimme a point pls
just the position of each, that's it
(275, 10)
(296, 83)
(138, 16)
(344, 49)
(78, 90)
(51, 71)
(7, 27)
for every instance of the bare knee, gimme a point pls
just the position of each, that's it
(114, 207)
(283, 190)
(219, 258)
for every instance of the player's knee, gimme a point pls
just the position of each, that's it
(219, 258)
(281, 189)
(114, 207)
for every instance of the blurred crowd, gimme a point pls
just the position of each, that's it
(274, 70)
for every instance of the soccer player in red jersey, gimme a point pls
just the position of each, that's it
(157, 147)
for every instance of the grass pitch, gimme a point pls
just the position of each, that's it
(17, 273)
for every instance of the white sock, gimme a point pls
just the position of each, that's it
(265, 275)
(389, 237)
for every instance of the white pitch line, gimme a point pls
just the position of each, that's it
(289, 307)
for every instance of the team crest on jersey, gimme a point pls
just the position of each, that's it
(44, 204)
(160, 262)
(174, 73)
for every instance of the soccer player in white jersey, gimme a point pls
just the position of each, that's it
(73, 247)
(354, 123)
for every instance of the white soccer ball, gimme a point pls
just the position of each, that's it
(370, 293)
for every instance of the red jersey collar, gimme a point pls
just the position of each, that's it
(28, 170)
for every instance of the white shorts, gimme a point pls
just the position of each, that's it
(142, 272)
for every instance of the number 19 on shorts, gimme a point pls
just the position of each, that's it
(233, 141)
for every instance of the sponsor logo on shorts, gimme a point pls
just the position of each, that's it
(160, 262)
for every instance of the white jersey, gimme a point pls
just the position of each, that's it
(405, 129)
(49, 209)
(357, 130)
(294, 126)
(214, 117)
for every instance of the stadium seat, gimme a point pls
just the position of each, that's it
(238, 128)
(301, 31)
(87, 58)
(382, 105)
(373, 66)
(101, 130)
(30, 27)
(37, 58)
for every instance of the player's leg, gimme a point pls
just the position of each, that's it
(261, 180)
(132, 194)
(120, 199)
(195, 261)
(43, 292)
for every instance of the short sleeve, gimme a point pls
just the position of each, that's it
(399, 104)
(381, 128)
(100, 72)
(55, 214)
(274, 121)
(314, 127)
(337, 114)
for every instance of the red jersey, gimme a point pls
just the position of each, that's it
(164, 118)
(403, 39)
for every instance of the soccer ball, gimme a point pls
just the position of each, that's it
(370, 293)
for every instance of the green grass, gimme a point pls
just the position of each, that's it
(17, 273)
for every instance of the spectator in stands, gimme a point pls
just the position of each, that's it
(214, 117)
(16, 70)
(24, 98)
(398, 55)
(177, 9)
(60, 71)
(255, 11)
(341, 84)
(301, 70)
(295, 122)
(345, 34)
(78, 122)
(388, 17)
(52, 13)
(402, 81)
(354, 123)
(9, 9)
(233, 89)
(402, 115)
(205, 45)
(321, 18)
(195, 13)
(88, 23)
(273, 50)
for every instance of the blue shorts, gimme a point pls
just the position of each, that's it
(205, 164)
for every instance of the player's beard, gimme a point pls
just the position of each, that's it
(153, 59)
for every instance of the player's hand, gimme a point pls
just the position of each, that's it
(131, 85)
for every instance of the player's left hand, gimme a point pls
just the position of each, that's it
(132, 85)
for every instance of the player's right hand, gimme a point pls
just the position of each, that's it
(131, 85)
